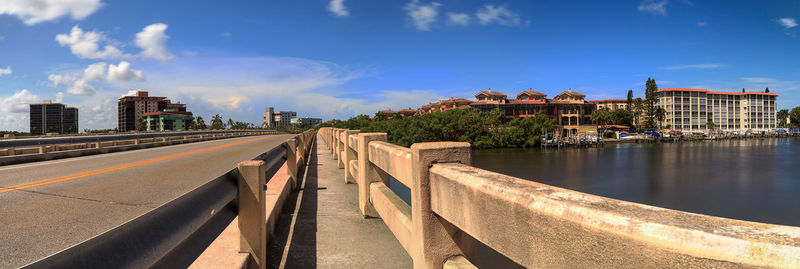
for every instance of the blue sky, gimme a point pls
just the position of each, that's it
(335, 59)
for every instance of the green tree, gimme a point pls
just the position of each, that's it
(660, 115)
(742, 89)
(794, 116)
(638, 110)
(766, 90)
(630, 99)
(782, 114)
(651, 98)
(601, 117)
(230, 123)
(141, 125)
(200, 123)
(622, 117)
(711, 125)
(216, 122)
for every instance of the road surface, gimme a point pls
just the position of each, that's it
(48, 206)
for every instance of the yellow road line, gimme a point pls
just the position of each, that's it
(116, 168)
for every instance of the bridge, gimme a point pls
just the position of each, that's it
(341, 198)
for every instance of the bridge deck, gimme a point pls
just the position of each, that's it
(328, 230)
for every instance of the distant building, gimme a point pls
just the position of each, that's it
(281, 118)
(50, 117)
(132, 108)
(168, 120)
(569, 109)
(309, 121)
(611, 104)
(691, 109)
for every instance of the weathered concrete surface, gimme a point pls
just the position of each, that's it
(329, 231)
(434, 239)
(392, 159)
(224, 251)
(549, 227)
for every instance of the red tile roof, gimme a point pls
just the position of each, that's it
(489, 92)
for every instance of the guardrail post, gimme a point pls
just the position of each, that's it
(335, 148)
(97, 145)
(367, 172)
(252, 211)
(340, 144)
(42, 149)
(136, 141)
(433, 237)
(291, 161)
(11, 152)
(349, 155)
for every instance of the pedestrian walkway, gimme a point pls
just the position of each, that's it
(321, 226)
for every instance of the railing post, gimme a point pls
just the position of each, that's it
(335, 145)
(349, 155)
(340, 147)
(42, 149)
(291, 161)
(433, 239)
(367, 172)
(252, 211)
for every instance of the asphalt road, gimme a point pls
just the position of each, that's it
(49, 206)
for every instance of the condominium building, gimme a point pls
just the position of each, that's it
(692, 109)
(279, 118)
(132, 108)
(168, 120)
(611, 104)
(569, 109)
(50, 117)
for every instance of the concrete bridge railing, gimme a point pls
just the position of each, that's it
(454, 205)
(169, 236)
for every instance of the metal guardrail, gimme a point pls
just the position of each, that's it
(47, 141)
(173, 234)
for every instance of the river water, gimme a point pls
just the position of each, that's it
(754, 179)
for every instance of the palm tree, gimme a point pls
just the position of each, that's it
(230, 123)
(201, 123)
(601, 117)
(216, 122)
(782, 114)
(660, 115)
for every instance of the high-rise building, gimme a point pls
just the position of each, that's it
(50, 117)
(693, 109)
(279, 118)
(132, 108)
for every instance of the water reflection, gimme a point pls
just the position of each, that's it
(757, 180)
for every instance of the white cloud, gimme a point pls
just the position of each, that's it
(2, 38)
(788, 22)
(80, 88)
(85, 44)
(190, 53)
(702, 23)
(5, 71)
(759, 80)
(129, 93)
(654, 7)
(694, 66)
(95, 72)
(35, 11)
(497, 14)
(225, 34)
(152, 40)
(337, 8)
(60, 80)
(59, 97)
(123, 72)
(461, 19)
(422, 16)
(19, 102)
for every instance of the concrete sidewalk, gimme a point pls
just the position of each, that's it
(329, 231)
